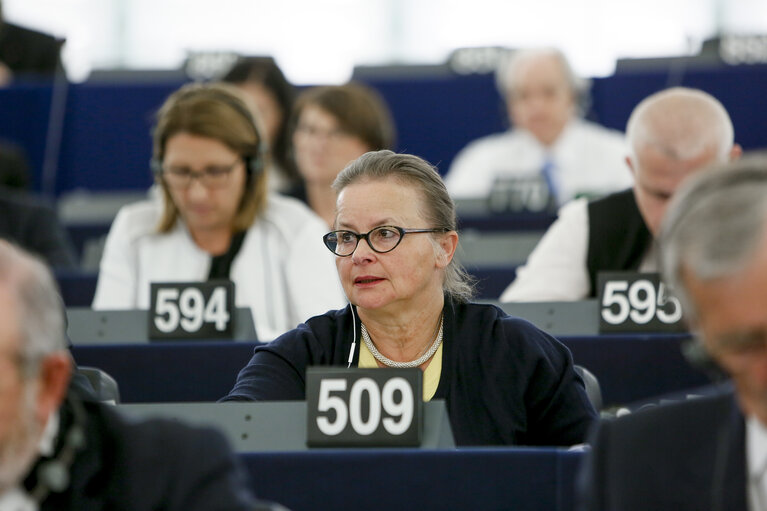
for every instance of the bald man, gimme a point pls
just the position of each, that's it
(548, 142)
(671, 134)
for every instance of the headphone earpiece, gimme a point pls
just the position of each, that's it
(254, 163)
(54, 475)
(155, 166)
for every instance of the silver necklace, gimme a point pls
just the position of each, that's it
(402, 365)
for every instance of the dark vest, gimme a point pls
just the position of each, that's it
(618, 236)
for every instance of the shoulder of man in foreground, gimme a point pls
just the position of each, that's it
(666, 454)
(161, 463)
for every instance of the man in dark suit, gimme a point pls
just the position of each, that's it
(58, 452)
(708, 452)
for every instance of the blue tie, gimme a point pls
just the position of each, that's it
(548, 175)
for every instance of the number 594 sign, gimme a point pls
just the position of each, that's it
(637, 302)
(202, 310)
(364, 407)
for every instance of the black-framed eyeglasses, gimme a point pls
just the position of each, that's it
(381, 239)
(214, 176)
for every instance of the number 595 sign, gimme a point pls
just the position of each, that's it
(637, 302)
(364, 407)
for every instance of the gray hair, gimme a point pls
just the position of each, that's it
(41, 311)
(438, 207)
(714, 224)
(508, 68)
(682, 122)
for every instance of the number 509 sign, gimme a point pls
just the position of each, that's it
(635, 302)
(364, 407)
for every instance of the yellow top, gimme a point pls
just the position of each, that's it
(430, 376)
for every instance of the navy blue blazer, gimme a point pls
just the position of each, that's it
(148, 465)
(680, 456)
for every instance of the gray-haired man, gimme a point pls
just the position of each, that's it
(60, 453)
(709, 452)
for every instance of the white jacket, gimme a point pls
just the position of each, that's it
(283, 271)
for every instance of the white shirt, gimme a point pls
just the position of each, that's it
(756, 460)
(556, 269)
(283, 271)
(587, 159)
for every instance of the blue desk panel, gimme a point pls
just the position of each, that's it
(629, 368)
(77, 288)
(464, 479)
(169, 371)
(635, 367)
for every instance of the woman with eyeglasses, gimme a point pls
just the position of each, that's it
(216, 220)
(331, 127)
(505, 382)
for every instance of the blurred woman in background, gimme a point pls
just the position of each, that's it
(331, 127)
(216, 220)
(273, 96)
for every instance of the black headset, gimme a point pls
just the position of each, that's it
(254, 163)
(53, 475)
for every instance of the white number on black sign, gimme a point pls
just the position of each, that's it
(187, 308)
(638, 302)
(400, 412)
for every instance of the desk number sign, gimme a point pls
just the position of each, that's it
(520, 194)
(193, 310)
(637, 302)
(364, 407)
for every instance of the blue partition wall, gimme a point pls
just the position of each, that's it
(24, 112)
(740, 89)
(105, 142)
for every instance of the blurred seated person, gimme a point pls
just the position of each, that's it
(333, 126)
(33, 224)
(672, 135)
(216, 220)
(548, 142)
(273, 96)
(709, 452)
(58, 452)
(26, 52)
(505, 382)
(14, 166)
